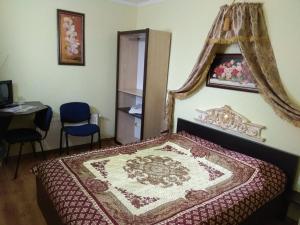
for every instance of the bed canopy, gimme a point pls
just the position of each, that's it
(244, 24)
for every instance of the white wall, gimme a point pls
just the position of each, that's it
(28, 34)
(190, 20)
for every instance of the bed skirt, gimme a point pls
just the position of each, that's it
(46, 205)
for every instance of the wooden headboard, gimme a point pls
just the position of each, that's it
(287, 162)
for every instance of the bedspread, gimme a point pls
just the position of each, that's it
(172, 179)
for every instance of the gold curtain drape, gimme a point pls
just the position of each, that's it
(247, 27)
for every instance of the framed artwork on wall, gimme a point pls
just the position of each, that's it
(230, 71)
(70, 27)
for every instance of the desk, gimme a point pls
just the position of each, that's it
(6, 117)
(37, 106)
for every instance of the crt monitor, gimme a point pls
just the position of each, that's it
(6, 93)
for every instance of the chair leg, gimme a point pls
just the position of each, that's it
(60, 141)
(42, 149)
(7, 154)
(33, 148)
(67, 143)
(99, 139)
(92, 137)
(19, 159)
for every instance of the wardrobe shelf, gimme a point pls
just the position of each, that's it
(126, 110)
(136, 92)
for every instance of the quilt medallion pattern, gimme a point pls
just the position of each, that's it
(172, 179)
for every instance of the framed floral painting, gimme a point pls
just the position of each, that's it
(70, 27)
(231, 71)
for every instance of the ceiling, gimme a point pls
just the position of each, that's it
(137, 2)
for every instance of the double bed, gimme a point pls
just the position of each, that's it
(197, 176)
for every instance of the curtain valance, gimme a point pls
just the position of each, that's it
(241, 23)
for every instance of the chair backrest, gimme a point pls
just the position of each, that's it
(43, 118)
(74, 112)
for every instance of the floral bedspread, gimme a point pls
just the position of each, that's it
(172, 179)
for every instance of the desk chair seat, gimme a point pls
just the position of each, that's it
(77, 112)
(82, 130)
(22, 135)
(42, 121)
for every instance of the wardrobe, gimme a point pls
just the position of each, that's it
(142, 75)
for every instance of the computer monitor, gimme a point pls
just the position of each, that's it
(6, 93)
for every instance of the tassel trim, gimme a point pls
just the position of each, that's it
(236, 39)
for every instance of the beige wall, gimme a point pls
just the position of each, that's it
(190, 20)
(28, 35)
(28, 56)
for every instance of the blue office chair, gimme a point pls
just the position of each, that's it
(77, 112)
(42, 121)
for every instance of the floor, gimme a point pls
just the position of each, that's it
(18, 204)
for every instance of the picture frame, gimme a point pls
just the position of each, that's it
(230, 71)
(71, 34)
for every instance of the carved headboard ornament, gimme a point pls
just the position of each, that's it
(227, 119)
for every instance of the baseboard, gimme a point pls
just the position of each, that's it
(71, 148)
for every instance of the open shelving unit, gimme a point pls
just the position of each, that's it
(142, 71)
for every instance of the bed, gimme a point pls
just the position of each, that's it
(198, 176)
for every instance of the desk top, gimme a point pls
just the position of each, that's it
(25, 108)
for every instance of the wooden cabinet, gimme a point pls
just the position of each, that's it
(294, 207)
(142, 74)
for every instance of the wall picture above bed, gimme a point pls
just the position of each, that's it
(230, 71)
(70, 27)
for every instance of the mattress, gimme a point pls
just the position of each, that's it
(171, 179)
